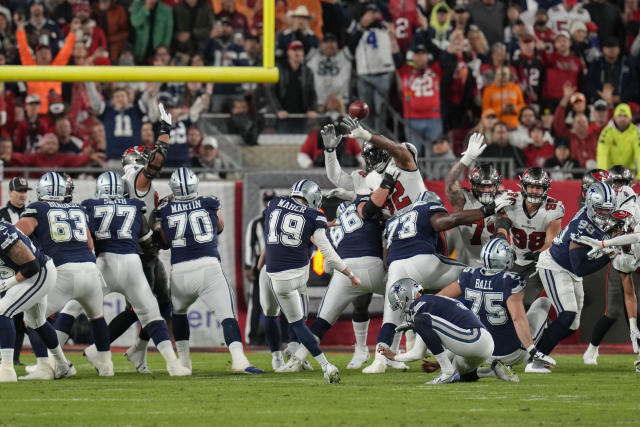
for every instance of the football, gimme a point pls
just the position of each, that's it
(359, 110)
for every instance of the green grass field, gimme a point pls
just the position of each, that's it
(574, 394)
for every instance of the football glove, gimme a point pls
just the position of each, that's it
(635, 336)
(474, 149)
(165, 121)
(588, 241)
(532, 256)
(391, 174)
(329, 137)
(355, 130)
(503, 200)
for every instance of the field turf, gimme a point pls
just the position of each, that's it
(574, 394)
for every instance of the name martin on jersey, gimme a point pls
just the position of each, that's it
(195, 204)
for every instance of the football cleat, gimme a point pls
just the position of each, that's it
(636, 365)
(330, 372)
(590, 356)
(30, 368)
(138, 357)
(293, 365)
(100, 360)
(277, 363)
(400, 366)
(185, 361)
(360, 357)
(445, 378)
(43, 371)
(504, 372)
(537, 367)
(252, 370)
(306, 365)
(8, 374)
(64, 370)
(378, 366)
(176, 369)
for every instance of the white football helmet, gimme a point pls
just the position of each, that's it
(51, 187)
(183, 184)
(308, 190)
(402, 294)
(109, 185)
(600, 202)
(497, 255)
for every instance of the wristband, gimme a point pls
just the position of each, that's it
(488, 210)
(165, 128)
(350, 275)
(532, 350)
(633, 323)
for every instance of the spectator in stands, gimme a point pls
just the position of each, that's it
(439, 26)
(145, 16)
(608, 17)
(208, 159)
(93, 37)
(29, 131)
(245, 123)
(193, 20)
(298, 30)
(420, 92)
(311, 153)
(98, 137)
(113, 19)
(500, 148)
(608, 69)
(560, 166)
(6, 148)
(63, 13)
(294, 92)
(520, 137)
(540, 148)
(542, 31)
(560, 67)
(504, 97)
(457, 85)
(238, 20)
(497, 60)
(582, 141)
(443, 158)
(462, 19)
(373, 48)
(331, 69)
(478, 48)
(619, 142)
(484, 126)
(529, 69)
(601, 114)
(584, 47)
(253, 51)
(44, 57)
(68, 143)
(562, 15)
(486, 14)
(194, 140)
(147, 136)
(405, 17)
(42, 31)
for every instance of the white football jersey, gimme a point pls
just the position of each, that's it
(626, 200)
(474, 235)
(528, 233)
(149, 198)
(409, 186)
(628, 262)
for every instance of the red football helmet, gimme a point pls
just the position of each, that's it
(135, 155)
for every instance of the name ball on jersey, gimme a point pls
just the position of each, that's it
(359, 110)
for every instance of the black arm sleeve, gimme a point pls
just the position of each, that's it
(370, 210)
(30, 269)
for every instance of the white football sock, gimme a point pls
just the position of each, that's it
(183, 349)
(395, 345)
(62, 337)
(322, 360)
(7, 357)
(58, 355)
(360, 330)
(293, 346)
(445, 364)
(301, 353)
(43, 361)
(238, 359)
(593, 347)
(166, 350)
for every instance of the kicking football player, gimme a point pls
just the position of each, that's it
(189, 225)
(566, 262)
(411, 240)
(292, 225)
(616, 290)
(442, 324)
(496, 296)
(532, 222)
(61, 229)
(28, 275)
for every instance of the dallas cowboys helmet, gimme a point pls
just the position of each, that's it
(497, 255)
(183, 184)
(109, 185)
(51, 187)
(600, 202)
(620, 176)
(485, 174)
(428, 197)
(535, 176)
(402, 293)
(375, 158)
(342, 207)
(309, 191)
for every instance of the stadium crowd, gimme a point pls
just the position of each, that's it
(542, 81)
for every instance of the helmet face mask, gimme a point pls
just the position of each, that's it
(535, 176)
(402, 293)
(600, 202)
(497, 256)
(375, 159)
(109, 185)
(620, 222)
(620, 176)
(51, 187)
(137, 155)
(485, 177)
(309, 191)
(183, 184)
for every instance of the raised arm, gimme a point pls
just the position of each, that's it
(157, 155)
(336, 175)
(453, 191)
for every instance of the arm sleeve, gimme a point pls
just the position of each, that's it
(95, 99)
(23, 48)
(582, 265)
(330, 255)
(336, 175)
(626, 239)
(416, 352)
(558, 122)
(62, 58)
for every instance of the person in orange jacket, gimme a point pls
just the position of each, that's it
(504, 97)
(43, 57)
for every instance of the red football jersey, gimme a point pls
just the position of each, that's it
(421, 92)
(404, 16)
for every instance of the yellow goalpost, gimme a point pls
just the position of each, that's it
(268, 73)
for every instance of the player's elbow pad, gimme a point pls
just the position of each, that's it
(30, 269)
(583, 266)
(370, 210)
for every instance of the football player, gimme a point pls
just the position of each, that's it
(590, 178)
(61, 229)
(442, 324)
(562, 266)
(189, 225)
(615, 288)
(532, 222)
(411, 241)
(485, 181)
(496, 296)
(292, 225)
(28, 275)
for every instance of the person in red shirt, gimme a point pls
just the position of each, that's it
(405, 19)
(420, 86)
(560, 67)
(311, 153)
(583, 143)
(602, 112)
(29, 131)
(93, 36)
(540, 149)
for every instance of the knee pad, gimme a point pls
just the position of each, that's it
(361, 308)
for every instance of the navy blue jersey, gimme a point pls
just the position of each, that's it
(486, 295)
(9, 236)
(411, 233)
(191, 227)
(61, 232)
(356, 237)
(115, 224)
(580, 225)
(122, 128)
(288, 227)
(449, 309)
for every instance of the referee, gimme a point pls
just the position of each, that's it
(18, 188)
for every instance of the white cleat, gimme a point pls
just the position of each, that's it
(445, 378)
(8, 374)
(138, 358)
(177, 369)
(378, 366)
(186, 362)
(277, 363)
(636, 365)
(590, 356)
(537, 367)
(64, 370)
(401, 366)
(306, 365)
(331, 373)
(101, 361)
(360, 357)
(504, 372)
(293, 365)
(30, 368)
(42, 372)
